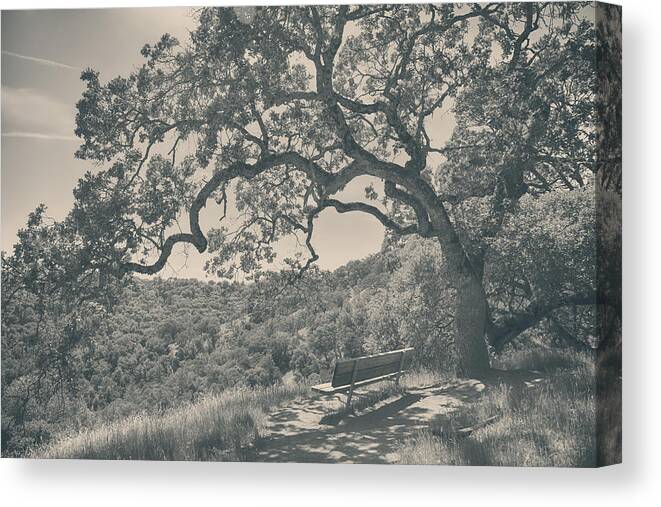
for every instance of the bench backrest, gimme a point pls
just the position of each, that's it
(369, 367)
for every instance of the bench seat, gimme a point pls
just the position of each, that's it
(328, 388)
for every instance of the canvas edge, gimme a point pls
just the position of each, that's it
(608, 219)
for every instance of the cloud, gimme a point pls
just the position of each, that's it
(41, 61)
(28, 113)
(38, 135)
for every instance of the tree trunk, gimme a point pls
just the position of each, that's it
(470, 309)
(471, 314)
(470, 317)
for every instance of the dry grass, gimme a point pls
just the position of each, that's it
(548, 424)
(548, 360)
(217, 428)
(419, 379)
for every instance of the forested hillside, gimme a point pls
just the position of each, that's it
(165, 342)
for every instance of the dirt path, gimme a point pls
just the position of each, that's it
(295, 434)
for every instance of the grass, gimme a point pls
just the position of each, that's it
(217, 428)
(419, 379)
(548, 424)
(547, 360)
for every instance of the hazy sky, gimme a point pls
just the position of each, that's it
(43, 52)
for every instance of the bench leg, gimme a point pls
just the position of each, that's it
(401, 364)
(349, 396)
(353, 381)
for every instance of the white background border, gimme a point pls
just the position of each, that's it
(636, 482)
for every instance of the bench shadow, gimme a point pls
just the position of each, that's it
(367, 438)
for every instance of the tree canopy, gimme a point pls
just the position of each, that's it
(273, 111)
(297, 102)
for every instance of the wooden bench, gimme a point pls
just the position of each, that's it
(361, 371)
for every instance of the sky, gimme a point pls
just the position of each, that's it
(43, 53)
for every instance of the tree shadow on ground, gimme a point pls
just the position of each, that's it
(374, 436)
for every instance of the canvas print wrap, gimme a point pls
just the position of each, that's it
(342, 234)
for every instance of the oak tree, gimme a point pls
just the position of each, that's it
(274, 111)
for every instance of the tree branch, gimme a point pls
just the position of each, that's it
(503, 331)
(424, 224)
(196, 237)
(345, 207)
